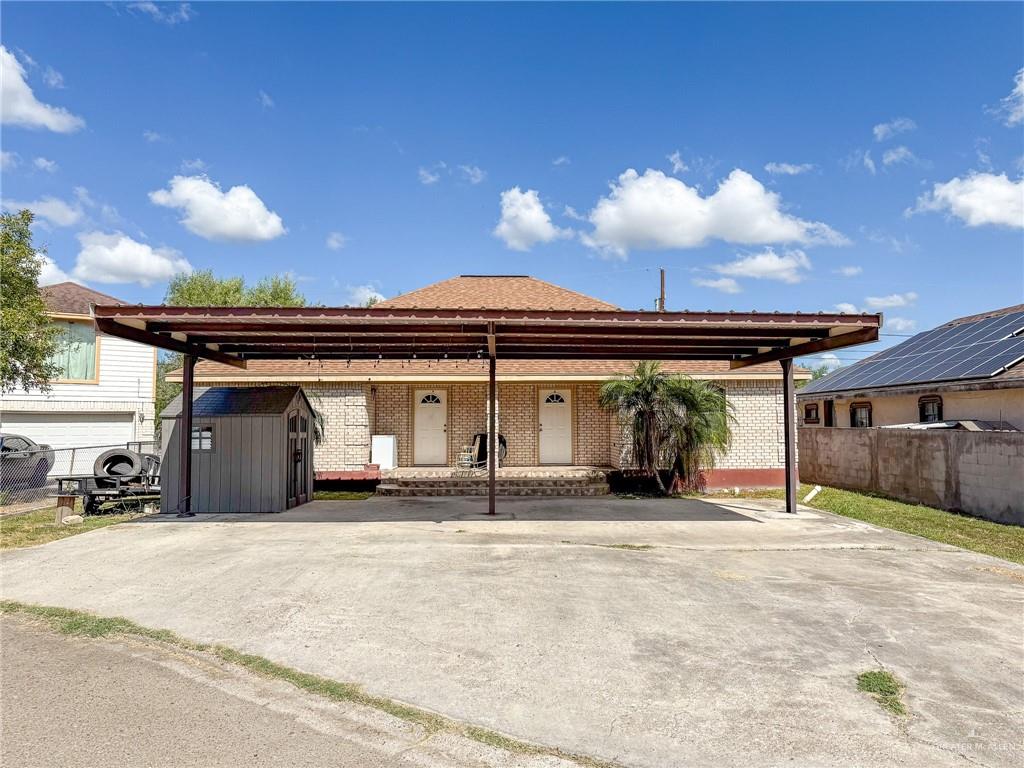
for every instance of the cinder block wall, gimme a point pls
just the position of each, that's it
(981, 473)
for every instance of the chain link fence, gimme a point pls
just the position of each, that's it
(28, 479)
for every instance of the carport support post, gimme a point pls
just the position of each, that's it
(789, 431)
(492, 438)
(185, 440)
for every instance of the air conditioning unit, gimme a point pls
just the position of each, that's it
(384, 451)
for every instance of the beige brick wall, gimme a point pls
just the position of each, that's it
(757, 433)
(353, 412)
(518, 411)
(592, 438)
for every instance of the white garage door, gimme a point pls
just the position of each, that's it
(73, 430)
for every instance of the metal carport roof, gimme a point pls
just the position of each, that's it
(234, 335)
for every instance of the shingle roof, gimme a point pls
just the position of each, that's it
(229, 401)
(495, 292)
(984, 315)
(427, 369)
(73, 299)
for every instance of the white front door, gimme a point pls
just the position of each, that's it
(555, 426)
(431, 427)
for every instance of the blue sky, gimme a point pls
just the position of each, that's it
(770, 157)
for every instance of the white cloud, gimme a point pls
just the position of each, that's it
(897, 155)
(51, 209)
(359, 295)
(828, 359)
(53, 78)
(153, 137)
(900, 324)
(979, 199)
(336, 241)
(845, 306)
(473, 174)
(723, 284)
(50, 273)
(894, 127)
(860, 157)
(790, 267)
(237, 214)
(116, 258)
(571, 213)
(849, 271)
(196, 165)
(1012, 106)
(9, 160)
(891, 301)
(427, 176)
(19, 106)
(789, 169)
(183, 12)
(265, 101)
(44, 164)
(678, 165)
(524, 222)
(659, 212)
(561, 160)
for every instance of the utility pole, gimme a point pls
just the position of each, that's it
(661, 301)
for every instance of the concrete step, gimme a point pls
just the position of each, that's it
(576, 489)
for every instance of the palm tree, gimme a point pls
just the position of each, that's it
(672, 420)
(702, 434)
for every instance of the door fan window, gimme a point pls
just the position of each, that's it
(554, 399)
(430, 399)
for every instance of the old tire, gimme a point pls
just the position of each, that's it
(117, 462)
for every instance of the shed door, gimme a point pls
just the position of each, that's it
(431, 427)
(298, 458)
(555, 426)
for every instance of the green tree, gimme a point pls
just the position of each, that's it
(28, 339)
(671, 420)
(204, 289)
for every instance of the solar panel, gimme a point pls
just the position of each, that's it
(968, 350)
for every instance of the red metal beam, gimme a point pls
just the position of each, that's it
(862, 336)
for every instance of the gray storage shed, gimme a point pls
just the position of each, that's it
(252, 450)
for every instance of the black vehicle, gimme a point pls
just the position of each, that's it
(24, 463)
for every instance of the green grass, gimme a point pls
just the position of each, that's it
(341, 495)
(883, 686)
(975, 534)
(81, 624)
(38, 527)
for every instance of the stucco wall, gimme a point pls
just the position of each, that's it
(987, 405)
(981, 473)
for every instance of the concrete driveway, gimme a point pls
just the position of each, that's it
(734, 640)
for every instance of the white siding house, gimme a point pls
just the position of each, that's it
(107, 390)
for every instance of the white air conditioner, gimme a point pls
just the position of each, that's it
(384, 451)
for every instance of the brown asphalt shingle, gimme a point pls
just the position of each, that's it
(496, 292)
(73, 299)
(426, 369)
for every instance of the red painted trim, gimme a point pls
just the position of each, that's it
(368, 472)
(746, 478)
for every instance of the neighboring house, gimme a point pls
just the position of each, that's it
(547, 410)
(104, 393)
(968, 370)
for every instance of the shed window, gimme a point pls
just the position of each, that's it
(811, 413)
(75, 356)
(202, 438)
(860, 415)
(929, 409)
